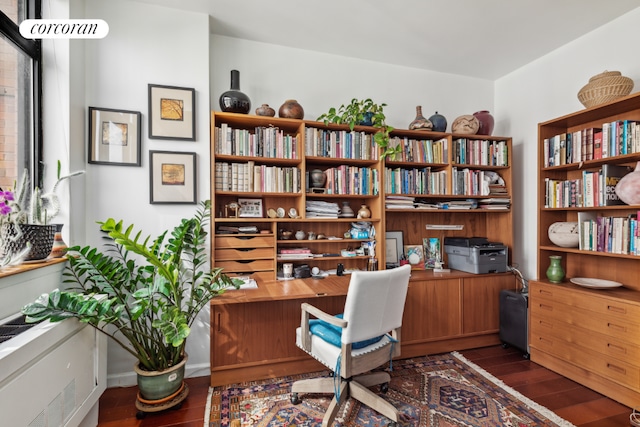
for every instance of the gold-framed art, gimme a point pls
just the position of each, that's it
(114, 137)
(172, 112)
(172, 177)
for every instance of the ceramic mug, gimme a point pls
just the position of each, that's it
(287, 270)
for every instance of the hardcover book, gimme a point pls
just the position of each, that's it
(611, 175)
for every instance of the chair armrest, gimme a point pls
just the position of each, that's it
(308, 309)
(316, 312)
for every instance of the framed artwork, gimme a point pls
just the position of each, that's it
(250, 208)
(114, 137)
(415, 256)
(173, 177)
(172, 112)
(432, 252)
(394, 246)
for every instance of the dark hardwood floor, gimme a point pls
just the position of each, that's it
(579, 405)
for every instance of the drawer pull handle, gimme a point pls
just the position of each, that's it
(617, 309)
(616, 368)
(617, 348)
(544, 340)
(545, 324)
(245, 261)
(616, 327)
(545, 307)
(218, 322)
(545, 292)
(245, 249)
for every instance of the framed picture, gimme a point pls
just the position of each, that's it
(415, 256)
(172, 112)
(250, 208)
(394, 245)
(432, 252)
(173, 177)
(114, 137)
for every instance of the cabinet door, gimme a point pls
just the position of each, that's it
(432, 310)
(260, 331)
(481, 302)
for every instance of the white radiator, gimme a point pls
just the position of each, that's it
(53, 373)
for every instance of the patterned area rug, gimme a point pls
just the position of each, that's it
(443, 390)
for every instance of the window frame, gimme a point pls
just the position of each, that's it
(10, 31)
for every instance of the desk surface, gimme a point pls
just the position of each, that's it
(278, 290)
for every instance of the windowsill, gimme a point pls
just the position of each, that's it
(10, 271)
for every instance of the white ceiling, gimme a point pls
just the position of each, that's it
(478, 38)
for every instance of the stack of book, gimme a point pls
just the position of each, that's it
(399, 202)
(495, 203)
(294, 253)
(321, 209)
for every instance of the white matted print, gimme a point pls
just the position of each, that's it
(172, 112)
(173, 177)
(114, 137)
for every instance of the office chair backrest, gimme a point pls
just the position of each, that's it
(375, 303)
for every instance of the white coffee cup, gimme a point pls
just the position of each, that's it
(287, 270)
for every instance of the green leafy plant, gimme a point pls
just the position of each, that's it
(144, 294)
(363, 112)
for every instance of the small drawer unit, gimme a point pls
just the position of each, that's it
(245, 254)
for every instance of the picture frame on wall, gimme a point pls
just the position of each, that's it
(114, 137)
(394, 247)
(172, 112)
(172, 177)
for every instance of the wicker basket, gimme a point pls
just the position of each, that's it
(605, 87)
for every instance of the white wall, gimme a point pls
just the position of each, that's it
(548, 88)
(271, 74)
(146, 44)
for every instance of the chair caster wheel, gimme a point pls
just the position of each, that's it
(140, 415)
(295, 399)
(384, 387)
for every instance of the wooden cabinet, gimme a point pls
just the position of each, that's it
(268, 160)
(253, 330)
(588, 335)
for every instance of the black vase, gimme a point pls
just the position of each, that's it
(234, 101)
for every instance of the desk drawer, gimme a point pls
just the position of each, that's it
(622, 328)
(601, 304)
(611, 368)
(247, 265)
(605, 344)
(222, 242)
(244, 254)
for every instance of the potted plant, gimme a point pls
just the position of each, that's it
(366, 113)
(143, 293)
(26, 231)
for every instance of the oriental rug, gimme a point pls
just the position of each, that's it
(444, 390)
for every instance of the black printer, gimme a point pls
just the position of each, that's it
(476, 255)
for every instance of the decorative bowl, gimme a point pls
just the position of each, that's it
(564, 234)
(605, 87)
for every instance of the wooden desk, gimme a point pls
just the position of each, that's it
(253, 330)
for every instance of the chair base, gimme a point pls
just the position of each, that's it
(355, 387)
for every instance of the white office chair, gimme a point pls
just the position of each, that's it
(365, 337)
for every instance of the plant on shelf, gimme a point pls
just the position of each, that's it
(26, 231)
(145, 294)
(366, 113)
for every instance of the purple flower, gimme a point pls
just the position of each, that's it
(6, 196)
(5, 209)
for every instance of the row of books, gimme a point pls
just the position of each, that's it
(480, 152)
(469, 182)
(415, 181)
(594, 188)
(248, 177)
(420, 150)
(340, 144)
(618, 235)
(614, 138)
(262, 141)
(346, 179)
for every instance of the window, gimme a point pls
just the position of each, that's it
(20, 93)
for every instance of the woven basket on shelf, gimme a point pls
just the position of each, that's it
(605, 87)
